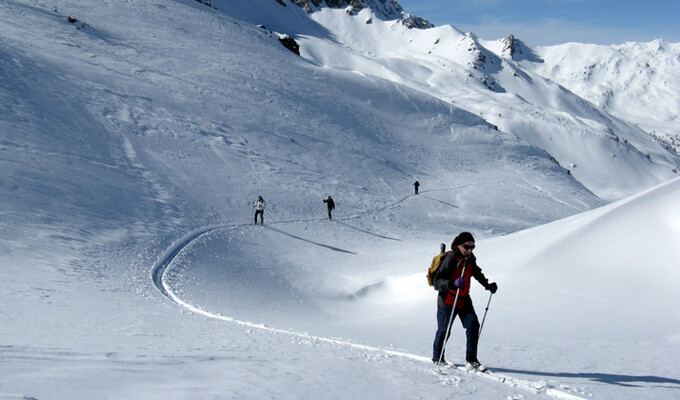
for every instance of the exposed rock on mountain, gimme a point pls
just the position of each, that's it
(510, 46)
(515, 49)
(290, 43)
(384, 9)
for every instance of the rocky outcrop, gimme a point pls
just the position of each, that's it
(511, 46)
(516, 50)
(290, 43)
(207, 3)
(386, 10)
(286, 40)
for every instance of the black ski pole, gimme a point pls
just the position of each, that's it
(484, 318)
(453, 310)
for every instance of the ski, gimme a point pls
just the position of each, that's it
(481, 371)
(528, 385)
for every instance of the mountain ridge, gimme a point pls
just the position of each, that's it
(383, 9)
(480, 76)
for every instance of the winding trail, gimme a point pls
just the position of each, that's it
(161, 266)
(158, 270)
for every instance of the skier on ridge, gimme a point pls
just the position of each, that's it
(331, 206)
(259, 209)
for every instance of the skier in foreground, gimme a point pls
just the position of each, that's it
(452, 279)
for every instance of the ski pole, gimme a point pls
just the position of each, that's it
(453, 310)
(484, 318)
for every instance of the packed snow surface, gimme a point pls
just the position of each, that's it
(135, 135)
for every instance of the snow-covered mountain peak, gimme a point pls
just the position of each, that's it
(386, 10)
(516, 87)
(515, 49)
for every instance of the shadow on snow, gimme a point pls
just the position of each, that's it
(365, 231)
(611, 379)
(310, 241)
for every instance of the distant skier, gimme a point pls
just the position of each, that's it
(331, 206)
(259, 209)
(416, 184)
(453, 277)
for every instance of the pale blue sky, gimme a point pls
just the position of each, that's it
(547, 22)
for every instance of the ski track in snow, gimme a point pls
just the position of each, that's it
(161, 266)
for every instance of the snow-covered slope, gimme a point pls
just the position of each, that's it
(605, 150)
(548, 96)
(636, 82)
(135, 135)
(582, 308)
(150, 112)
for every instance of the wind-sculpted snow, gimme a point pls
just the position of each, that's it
(244, 278)
(227, 273)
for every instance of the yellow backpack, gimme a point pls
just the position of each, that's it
(436, 262)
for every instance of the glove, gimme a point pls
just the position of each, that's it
(492, 287)
(459, 283)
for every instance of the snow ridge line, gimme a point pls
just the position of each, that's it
(158, 277)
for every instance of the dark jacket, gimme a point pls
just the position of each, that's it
(331, 203)
(450, 270)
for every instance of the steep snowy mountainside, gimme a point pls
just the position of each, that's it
(149, 116)
(289, 19)
(537, 108)
(480, 77)
(636, 82)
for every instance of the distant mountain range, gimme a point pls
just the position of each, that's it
(623, 100)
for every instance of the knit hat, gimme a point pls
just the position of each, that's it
(462, 237)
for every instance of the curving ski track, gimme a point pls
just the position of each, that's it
(161, 266)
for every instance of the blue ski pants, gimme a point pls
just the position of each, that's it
(469, 320)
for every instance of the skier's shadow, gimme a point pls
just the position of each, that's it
(440, 201)
(365, 231)
(310, 241)
(611, 379)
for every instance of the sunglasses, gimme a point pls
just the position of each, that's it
(466, 247)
